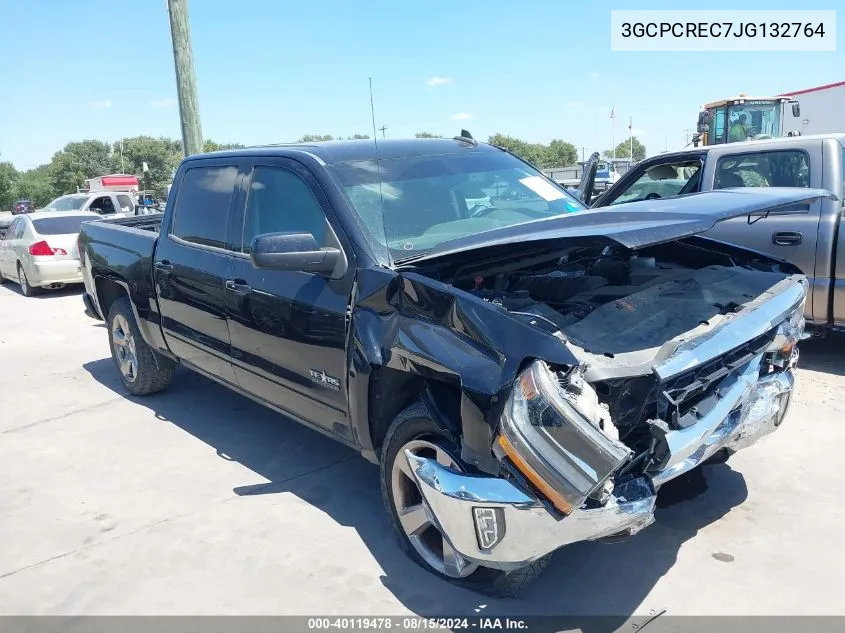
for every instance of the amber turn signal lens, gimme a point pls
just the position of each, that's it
(553, 495)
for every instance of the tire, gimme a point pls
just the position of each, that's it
(26, 289)
(415, 428)
(141, 370)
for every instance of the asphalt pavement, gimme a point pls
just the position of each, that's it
(199, 501)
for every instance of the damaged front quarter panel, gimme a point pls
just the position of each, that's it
(413, 337)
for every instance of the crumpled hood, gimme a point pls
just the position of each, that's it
(647, 222)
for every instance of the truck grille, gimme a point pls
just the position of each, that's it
(679, 395)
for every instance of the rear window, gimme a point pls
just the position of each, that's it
(60, 226)
(68, 203)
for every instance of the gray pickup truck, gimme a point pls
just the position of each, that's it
(810, 236)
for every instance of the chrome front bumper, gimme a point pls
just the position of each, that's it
(493, 522)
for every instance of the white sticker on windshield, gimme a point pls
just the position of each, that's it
(542, 188)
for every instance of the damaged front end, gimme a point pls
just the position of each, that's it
(571, 472)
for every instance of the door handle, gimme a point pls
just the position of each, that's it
(787, 238)
(164, 267)
(237, 287)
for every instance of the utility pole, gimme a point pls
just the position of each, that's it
(613, 126)
(382, 129)
(186, 81)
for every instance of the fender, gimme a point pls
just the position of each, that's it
(439, 340)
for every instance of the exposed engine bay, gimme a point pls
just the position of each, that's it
(617, 310)
(609, 302)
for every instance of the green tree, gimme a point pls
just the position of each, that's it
(562, 154)
(354, 137)
(76, 162)
(34, 184)
(162, 156)
(623, 150)
(314, 138)
(537, 154)
(427, 135)
(8, 176)
(211, 146)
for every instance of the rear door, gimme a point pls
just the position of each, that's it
(193, 258)
(289, 328)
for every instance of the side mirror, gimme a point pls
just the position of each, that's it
(296, 252)
(796, 109)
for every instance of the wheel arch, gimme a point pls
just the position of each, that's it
(109, 289)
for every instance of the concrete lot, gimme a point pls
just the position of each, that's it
(198, 501)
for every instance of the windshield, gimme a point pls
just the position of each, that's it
(67, 203)
(61, 225)
(753, 119)
(423, 201)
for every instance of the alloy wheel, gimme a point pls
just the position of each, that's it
(124, 348)
(415, 517)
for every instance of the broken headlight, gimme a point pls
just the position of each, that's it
(783, 352)
(552, 444)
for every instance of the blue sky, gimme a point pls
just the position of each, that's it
(269, 71)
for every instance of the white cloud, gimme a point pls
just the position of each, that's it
(461, 116)
(439, 81)
(638, 131)
(101, 105)
(594, 75)
(161, 103)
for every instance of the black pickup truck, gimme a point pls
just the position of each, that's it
(526, 372)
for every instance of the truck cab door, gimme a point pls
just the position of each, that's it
(660, 177)
(588, 179)
(791, 234)
(193, 258)
(289, 328)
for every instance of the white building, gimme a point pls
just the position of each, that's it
(822, 109)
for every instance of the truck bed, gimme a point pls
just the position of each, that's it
(120, 248)
(142, 222)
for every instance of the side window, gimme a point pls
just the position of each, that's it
(19, 229)
(126, 204)
(202, 206)
(781, 168)
(12, 228)
(102, 205)
(281, 202)
(662, 181)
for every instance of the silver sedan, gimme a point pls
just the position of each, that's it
(39, 250)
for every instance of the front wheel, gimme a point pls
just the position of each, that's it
(141, 370)
(415, 430)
